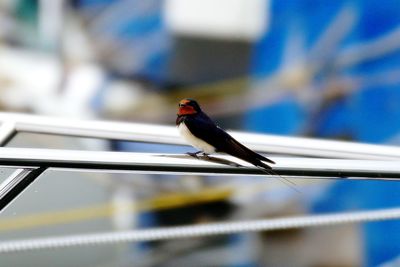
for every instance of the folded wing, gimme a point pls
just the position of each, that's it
(204, 128)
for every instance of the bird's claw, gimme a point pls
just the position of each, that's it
(194, 154)
(198, 156)
(205, 156)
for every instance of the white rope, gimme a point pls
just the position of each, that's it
(197, 230)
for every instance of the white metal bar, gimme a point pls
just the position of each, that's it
(7, 131)
(197, 230)
(168, 135)
(139, 132)
(178, 163)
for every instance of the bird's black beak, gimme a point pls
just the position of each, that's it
(182, 105)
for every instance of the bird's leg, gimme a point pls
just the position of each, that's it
(194, 154)
(205, 155)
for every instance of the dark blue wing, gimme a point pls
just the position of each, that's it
(204, 128)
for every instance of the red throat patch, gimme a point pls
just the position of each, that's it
(186, 110)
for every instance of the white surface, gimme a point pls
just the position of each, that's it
(178, 163)
(225, 19)
(169, 135)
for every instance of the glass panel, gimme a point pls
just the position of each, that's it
(71, 202)
(60, 203)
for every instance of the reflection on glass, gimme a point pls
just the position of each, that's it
(5, 173)
(80, 202)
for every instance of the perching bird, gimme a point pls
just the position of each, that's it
(202, 133)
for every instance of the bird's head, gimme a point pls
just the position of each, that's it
(188, 106)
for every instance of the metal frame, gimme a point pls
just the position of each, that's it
(185, 164)
(7, 132)
(21, 178)
(140, 132)
(14, 123)
(339, 160)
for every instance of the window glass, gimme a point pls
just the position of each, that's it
(62, 202)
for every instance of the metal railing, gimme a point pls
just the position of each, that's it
(331, 159)
(185, 164)
(139, 132)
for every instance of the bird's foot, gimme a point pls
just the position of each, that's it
(205, 156)
(194, 154)
(198, 156)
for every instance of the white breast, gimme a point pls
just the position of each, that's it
(194, 141)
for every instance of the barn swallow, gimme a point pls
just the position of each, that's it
(202, 133)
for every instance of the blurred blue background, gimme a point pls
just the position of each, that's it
(326, 69)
